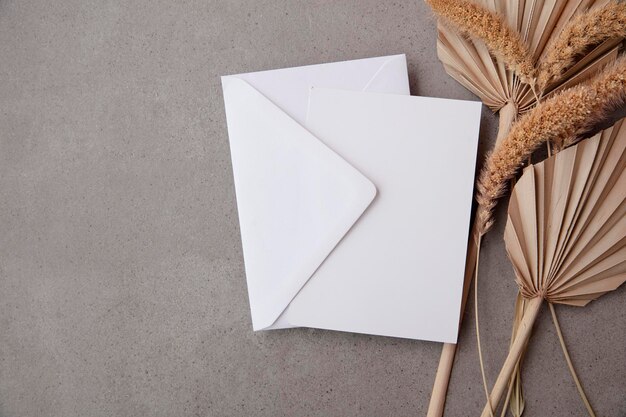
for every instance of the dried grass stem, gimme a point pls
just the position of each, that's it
(565, 115)
(578, 36)
(491, 28)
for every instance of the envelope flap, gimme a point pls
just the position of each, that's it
(288, 88)
(296, 198)
(390, 77)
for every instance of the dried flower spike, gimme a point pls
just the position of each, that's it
(565, 115)
(578, 36)
(502, 41)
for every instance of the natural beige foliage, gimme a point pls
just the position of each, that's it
(568, 114)
(548, 46)
(487, 26)
(581, 33)
(566, 220)
(564, 237)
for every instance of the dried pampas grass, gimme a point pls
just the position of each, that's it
(577, 37)
(487, 26)
(566, 115)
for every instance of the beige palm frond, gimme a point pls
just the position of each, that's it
(481, 23)
(585, 30)
(565, 115)
(493, 64)
(565, 232)
(471, 61)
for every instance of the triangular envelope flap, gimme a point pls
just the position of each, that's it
(391, 77)
(296, 198)
(288, 88)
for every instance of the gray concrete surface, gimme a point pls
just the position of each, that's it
(122, 290)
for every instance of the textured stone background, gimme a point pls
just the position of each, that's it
(122, 289)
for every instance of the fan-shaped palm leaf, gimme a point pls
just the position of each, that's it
(469, 61)
(493, 64)
(565, 233)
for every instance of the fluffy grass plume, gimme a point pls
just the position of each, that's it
(503, 42)
(581, 33)
(568, 114)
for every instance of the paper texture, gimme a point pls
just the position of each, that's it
(399, 270)
(296, 198)
(288, 88)
(354, 205)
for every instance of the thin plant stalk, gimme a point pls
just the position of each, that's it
(480, 351)
(448, 352)
(516, 351)
(508, 115)
(514, 397)
(570, 365)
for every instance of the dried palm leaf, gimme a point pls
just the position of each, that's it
(565, 232)
(568, 114)
(559, 119)
(474, 63)
(592, 28)
(490, 47)
(484, 24)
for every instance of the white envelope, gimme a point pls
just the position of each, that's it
(296, 198)
(315, 254)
